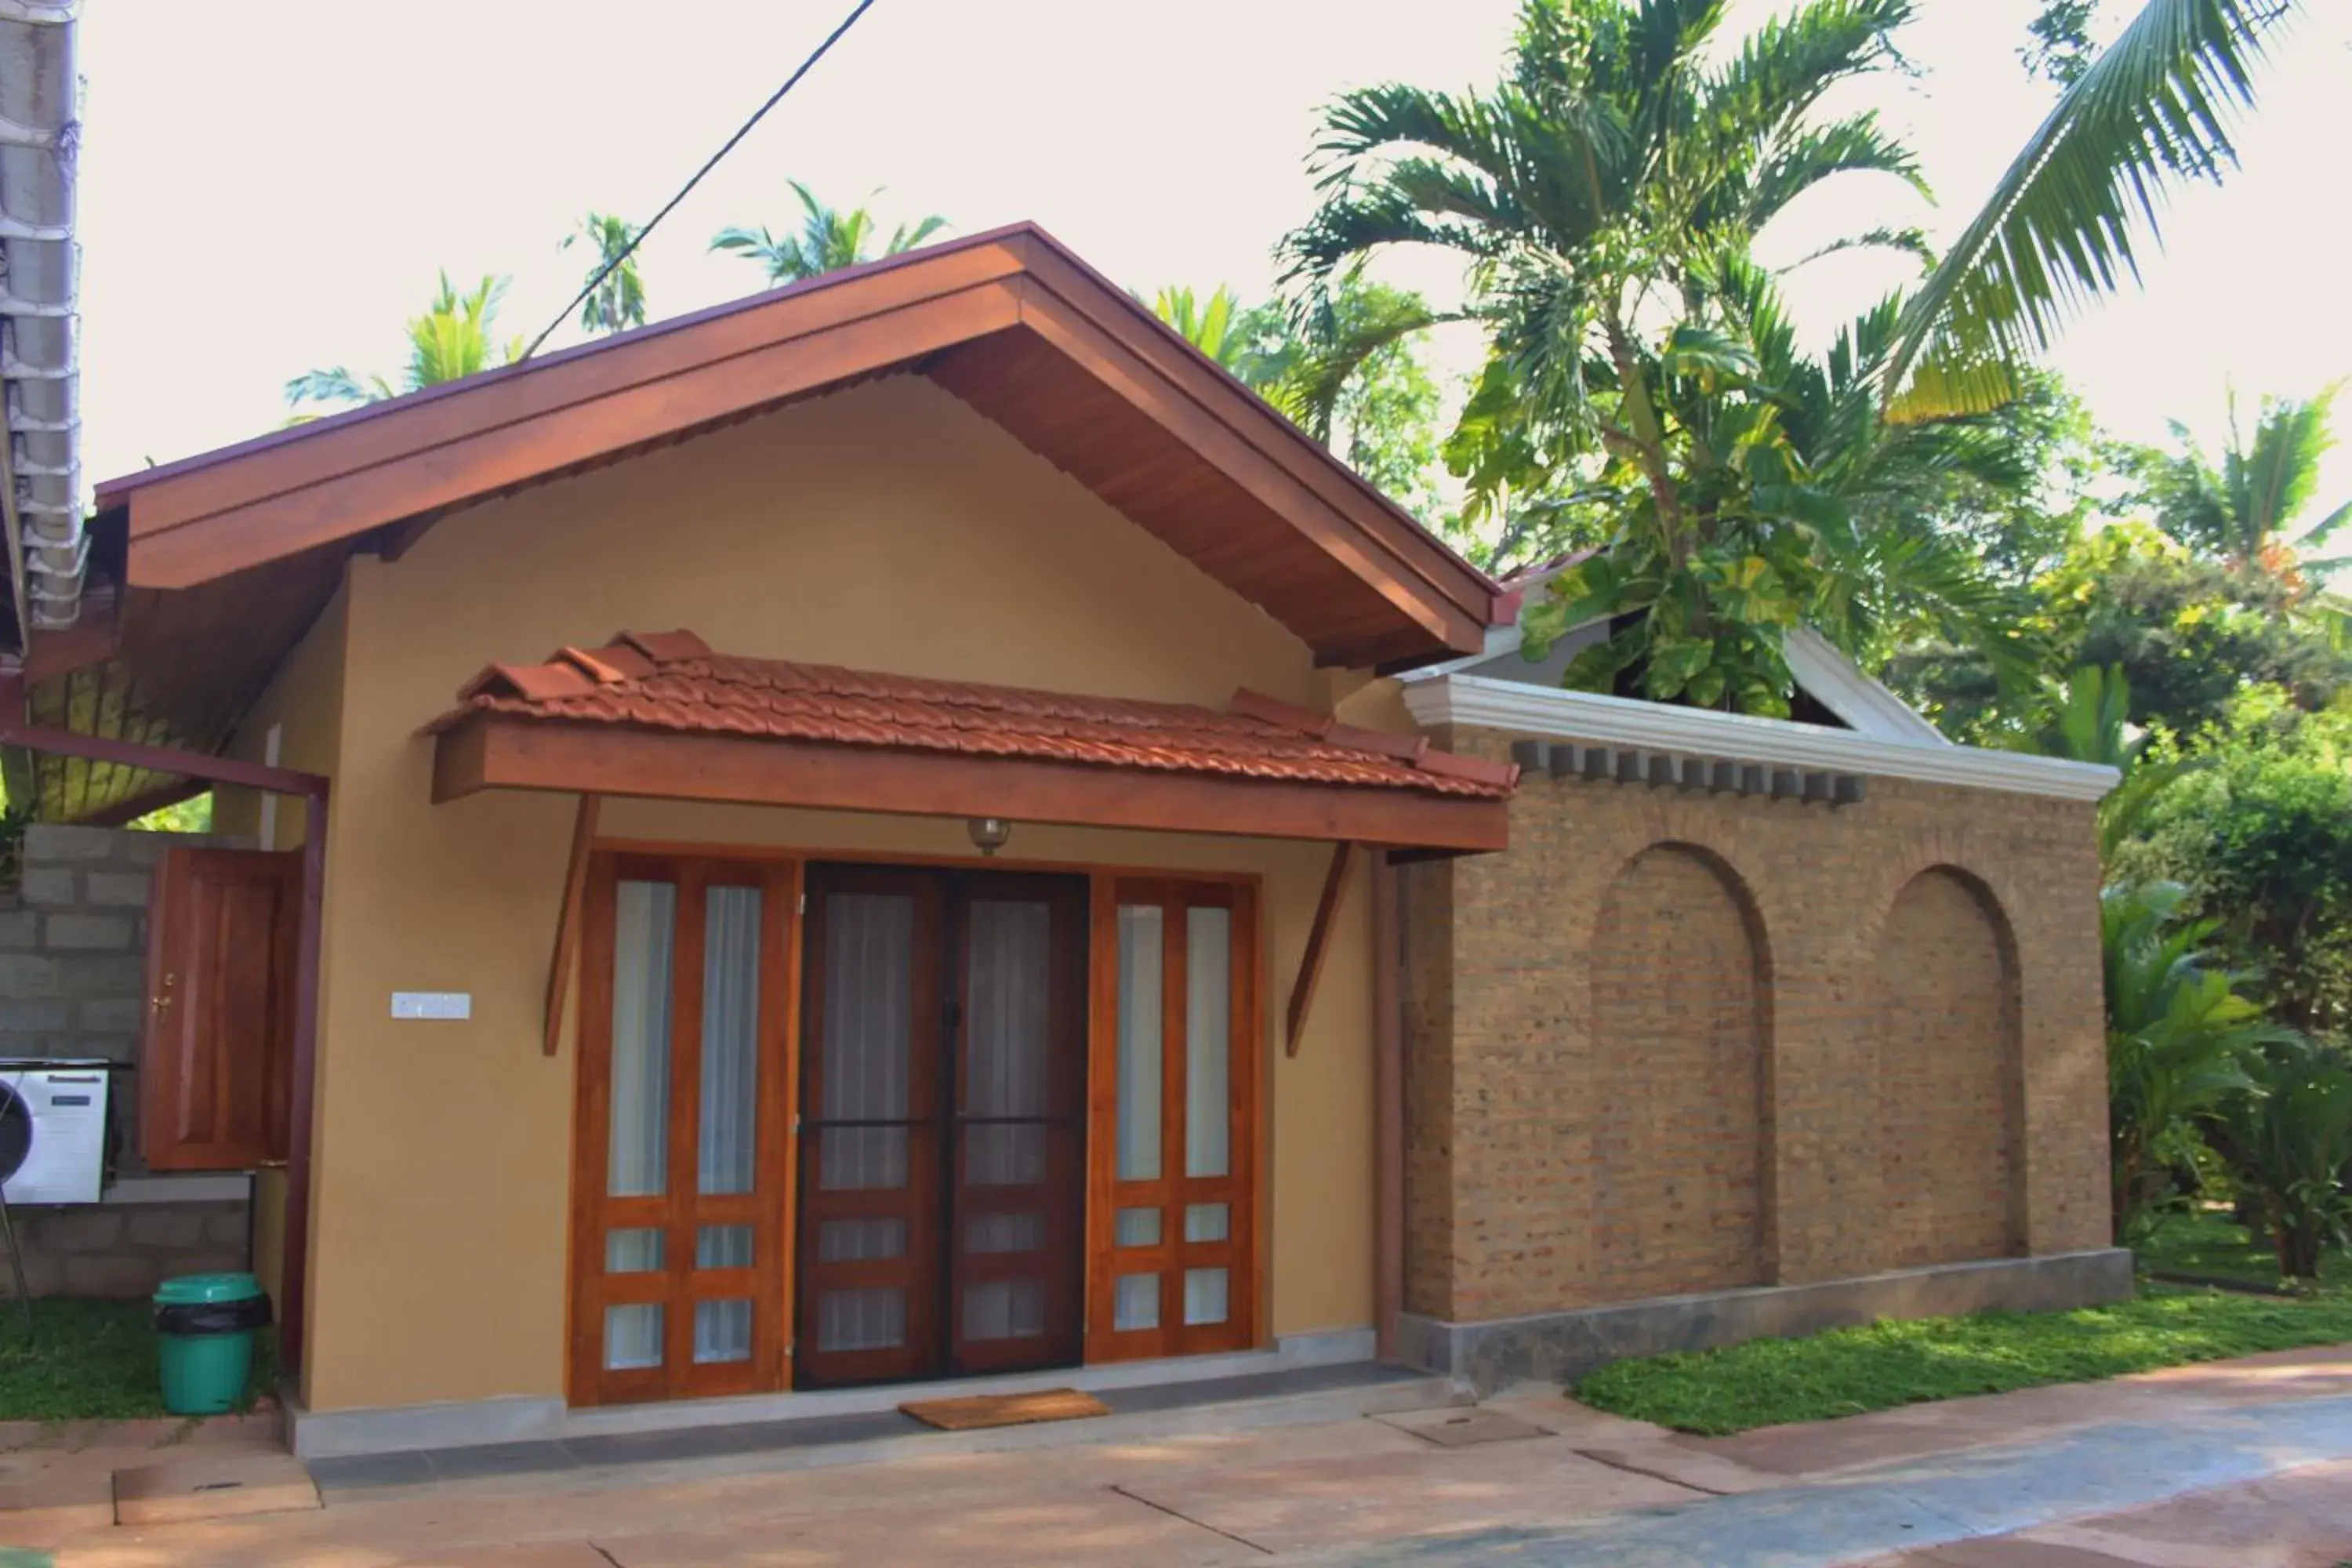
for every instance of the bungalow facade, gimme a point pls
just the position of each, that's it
(909, 827)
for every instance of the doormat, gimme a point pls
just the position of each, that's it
(1005, 1409)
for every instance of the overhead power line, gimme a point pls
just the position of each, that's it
(745, 129)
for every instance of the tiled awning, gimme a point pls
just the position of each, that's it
(662, 714)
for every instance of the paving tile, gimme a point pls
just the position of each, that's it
(1089, 1528)
(1332, 1504)
(178, 1491)
(1464, 1427)
(38, 1510)
(554, 1554)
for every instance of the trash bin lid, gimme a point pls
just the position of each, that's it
(191, 1289)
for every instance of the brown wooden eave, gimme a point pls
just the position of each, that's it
(490, 751)
(1009, 322)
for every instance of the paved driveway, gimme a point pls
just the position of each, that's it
(2076, 1477)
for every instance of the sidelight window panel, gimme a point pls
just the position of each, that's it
(645, 929)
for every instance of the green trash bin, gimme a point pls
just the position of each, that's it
(205, 1325)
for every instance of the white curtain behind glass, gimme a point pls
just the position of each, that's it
(1208, 1056)
(1011, 956)
(645, 922)
(730, 1039)
(1138, 1042)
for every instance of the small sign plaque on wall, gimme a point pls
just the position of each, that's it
(432, 1003)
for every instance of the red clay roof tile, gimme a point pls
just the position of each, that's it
(671, 680)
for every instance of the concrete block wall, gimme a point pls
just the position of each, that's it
(73, 966)
(73, 982)
(1928, 1055)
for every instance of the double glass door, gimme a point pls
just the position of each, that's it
(942, 1124)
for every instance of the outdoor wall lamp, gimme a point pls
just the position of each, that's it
(988, 833)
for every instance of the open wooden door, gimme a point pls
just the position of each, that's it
(216, 1053)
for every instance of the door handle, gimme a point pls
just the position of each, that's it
(161, 1003)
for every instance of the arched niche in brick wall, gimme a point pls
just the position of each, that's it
(1681, 1086)
(1950, 1079)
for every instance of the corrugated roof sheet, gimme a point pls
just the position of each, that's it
(673, 681)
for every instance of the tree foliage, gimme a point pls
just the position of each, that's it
(449, 339)
(829, 239)
(2176, 1034)
(618, 300)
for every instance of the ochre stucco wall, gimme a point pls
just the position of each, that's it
(1512, 1107)
(305, 700)
(887, 527)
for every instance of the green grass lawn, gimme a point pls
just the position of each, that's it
(1847, 1371)
(87, 1359)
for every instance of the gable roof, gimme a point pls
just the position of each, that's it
(1009, 320)
(211, 568)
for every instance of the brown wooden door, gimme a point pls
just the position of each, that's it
(943, 1124)
(682, 1182)
(869, 1276)
(217, 1055)
(1018, 1136)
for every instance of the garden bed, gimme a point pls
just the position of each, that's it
(1844, 1371)
(90, 1360)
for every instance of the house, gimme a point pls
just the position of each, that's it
(909, 826)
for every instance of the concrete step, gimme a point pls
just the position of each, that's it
(1143, 1413)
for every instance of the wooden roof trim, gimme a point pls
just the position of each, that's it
(621, 360)
(506, 455)
(492, 752)
(1279, 487)
(1409, 542)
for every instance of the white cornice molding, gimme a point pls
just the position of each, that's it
(1551, 713)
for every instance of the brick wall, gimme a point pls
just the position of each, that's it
(1803, 1044)
(73, 982)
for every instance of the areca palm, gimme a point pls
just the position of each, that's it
(450, 339)
(1605, 194)
(2248, 510)
(618, 300)
(829, 240)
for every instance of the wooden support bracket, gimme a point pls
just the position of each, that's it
(567, 923)
(1318, 942)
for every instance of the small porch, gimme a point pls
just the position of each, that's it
(846, 1115)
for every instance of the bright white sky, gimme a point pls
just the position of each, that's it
(273, 188)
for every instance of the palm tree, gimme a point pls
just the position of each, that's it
(2090, 722)
(1206, 323)
(450, 340)
(829, 240)
(2178, 1036)
(1603, 195)
(2148, 113)
(2246, 513)
(618, 300)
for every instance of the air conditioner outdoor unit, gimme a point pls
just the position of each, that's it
(52, 1132)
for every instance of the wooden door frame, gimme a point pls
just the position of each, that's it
(679, 1209)
(1243, 1189)
(787, 868)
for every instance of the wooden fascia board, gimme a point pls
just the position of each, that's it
(1409, 550)
(487, 752)
(334, 447)
(516, 453)
(1115, 363)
